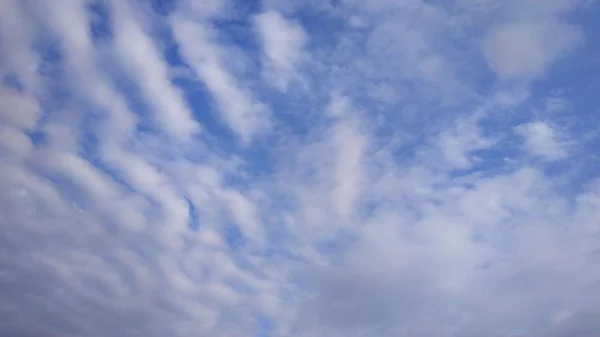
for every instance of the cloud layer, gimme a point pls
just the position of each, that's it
(326, 168)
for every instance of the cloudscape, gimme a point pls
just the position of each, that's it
(287, 168)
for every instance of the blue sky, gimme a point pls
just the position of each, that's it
(299, 168)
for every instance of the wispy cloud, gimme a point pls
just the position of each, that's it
(142, 59)
(283, 43)
(239, 109)
(543, 141)
(349, 168)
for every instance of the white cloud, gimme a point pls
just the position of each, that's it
(144, 62)
(458, 143)
(404, 274)
(19, 110)
(525, 50)
(17, 54)
(18, 113)
(15, 142)
(350, 144)
(96, 224)
(238, 108)
(283, 45)
(542, 140)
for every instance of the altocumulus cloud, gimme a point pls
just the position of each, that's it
(284, 168)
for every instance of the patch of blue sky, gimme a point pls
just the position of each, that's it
(163, 7)
(11, 80)
(266, 327)
(101, 25)
(234, 237)
(194, 222)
